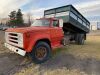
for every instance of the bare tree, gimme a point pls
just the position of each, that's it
(29, 16)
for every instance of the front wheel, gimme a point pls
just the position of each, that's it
(41, 52)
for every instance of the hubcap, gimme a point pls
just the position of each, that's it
(40, 53)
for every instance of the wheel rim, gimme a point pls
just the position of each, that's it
(40, 53)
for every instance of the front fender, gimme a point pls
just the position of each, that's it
(34, 39)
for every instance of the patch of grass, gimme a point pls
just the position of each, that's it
(90, 49)
(59, 50)
(61, 71)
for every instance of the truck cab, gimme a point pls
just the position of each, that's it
(38, 40)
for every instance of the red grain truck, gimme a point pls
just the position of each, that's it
(58, 27)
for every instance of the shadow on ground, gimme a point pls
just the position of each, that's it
(88, 65)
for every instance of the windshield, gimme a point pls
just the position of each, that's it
(41, 23)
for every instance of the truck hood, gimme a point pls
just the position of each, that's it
(26, 29)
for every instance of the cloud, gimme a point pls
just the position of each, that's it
(36, 12)
(87, 4)
(90, 9)
(6, 6)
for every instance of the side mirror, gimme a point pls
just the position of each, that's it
(60, 22)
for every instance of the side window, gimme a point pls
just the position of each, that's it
(55, 23)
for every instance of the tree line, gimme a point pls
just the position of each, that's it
(16, 19)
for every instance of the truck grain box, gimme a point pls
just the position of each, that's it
(73, 20)
(57, 28)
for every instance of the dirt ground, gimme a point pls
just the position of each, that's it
(71, 60)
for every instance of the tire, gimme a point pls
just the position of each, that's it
(39, 57)
(65, 41)
(80, 39)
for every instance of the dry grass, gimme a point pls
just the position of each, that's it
(63, 71)
(91, 49)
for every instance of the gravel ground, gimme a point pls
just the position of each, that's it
(65, 61)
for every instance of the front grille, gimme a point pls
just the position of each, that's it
(13, 38)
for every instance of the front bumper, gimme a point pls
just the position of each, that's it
(15, 49)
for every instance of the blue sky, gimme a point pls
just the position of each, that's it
(89, 8)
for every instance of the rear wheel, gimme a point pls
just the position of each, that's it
(41, 52)
(80, 39)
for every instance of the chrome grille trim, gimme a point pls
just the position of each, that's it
(14, 39)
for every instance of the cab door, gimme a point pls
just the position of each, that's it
(56, 33)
